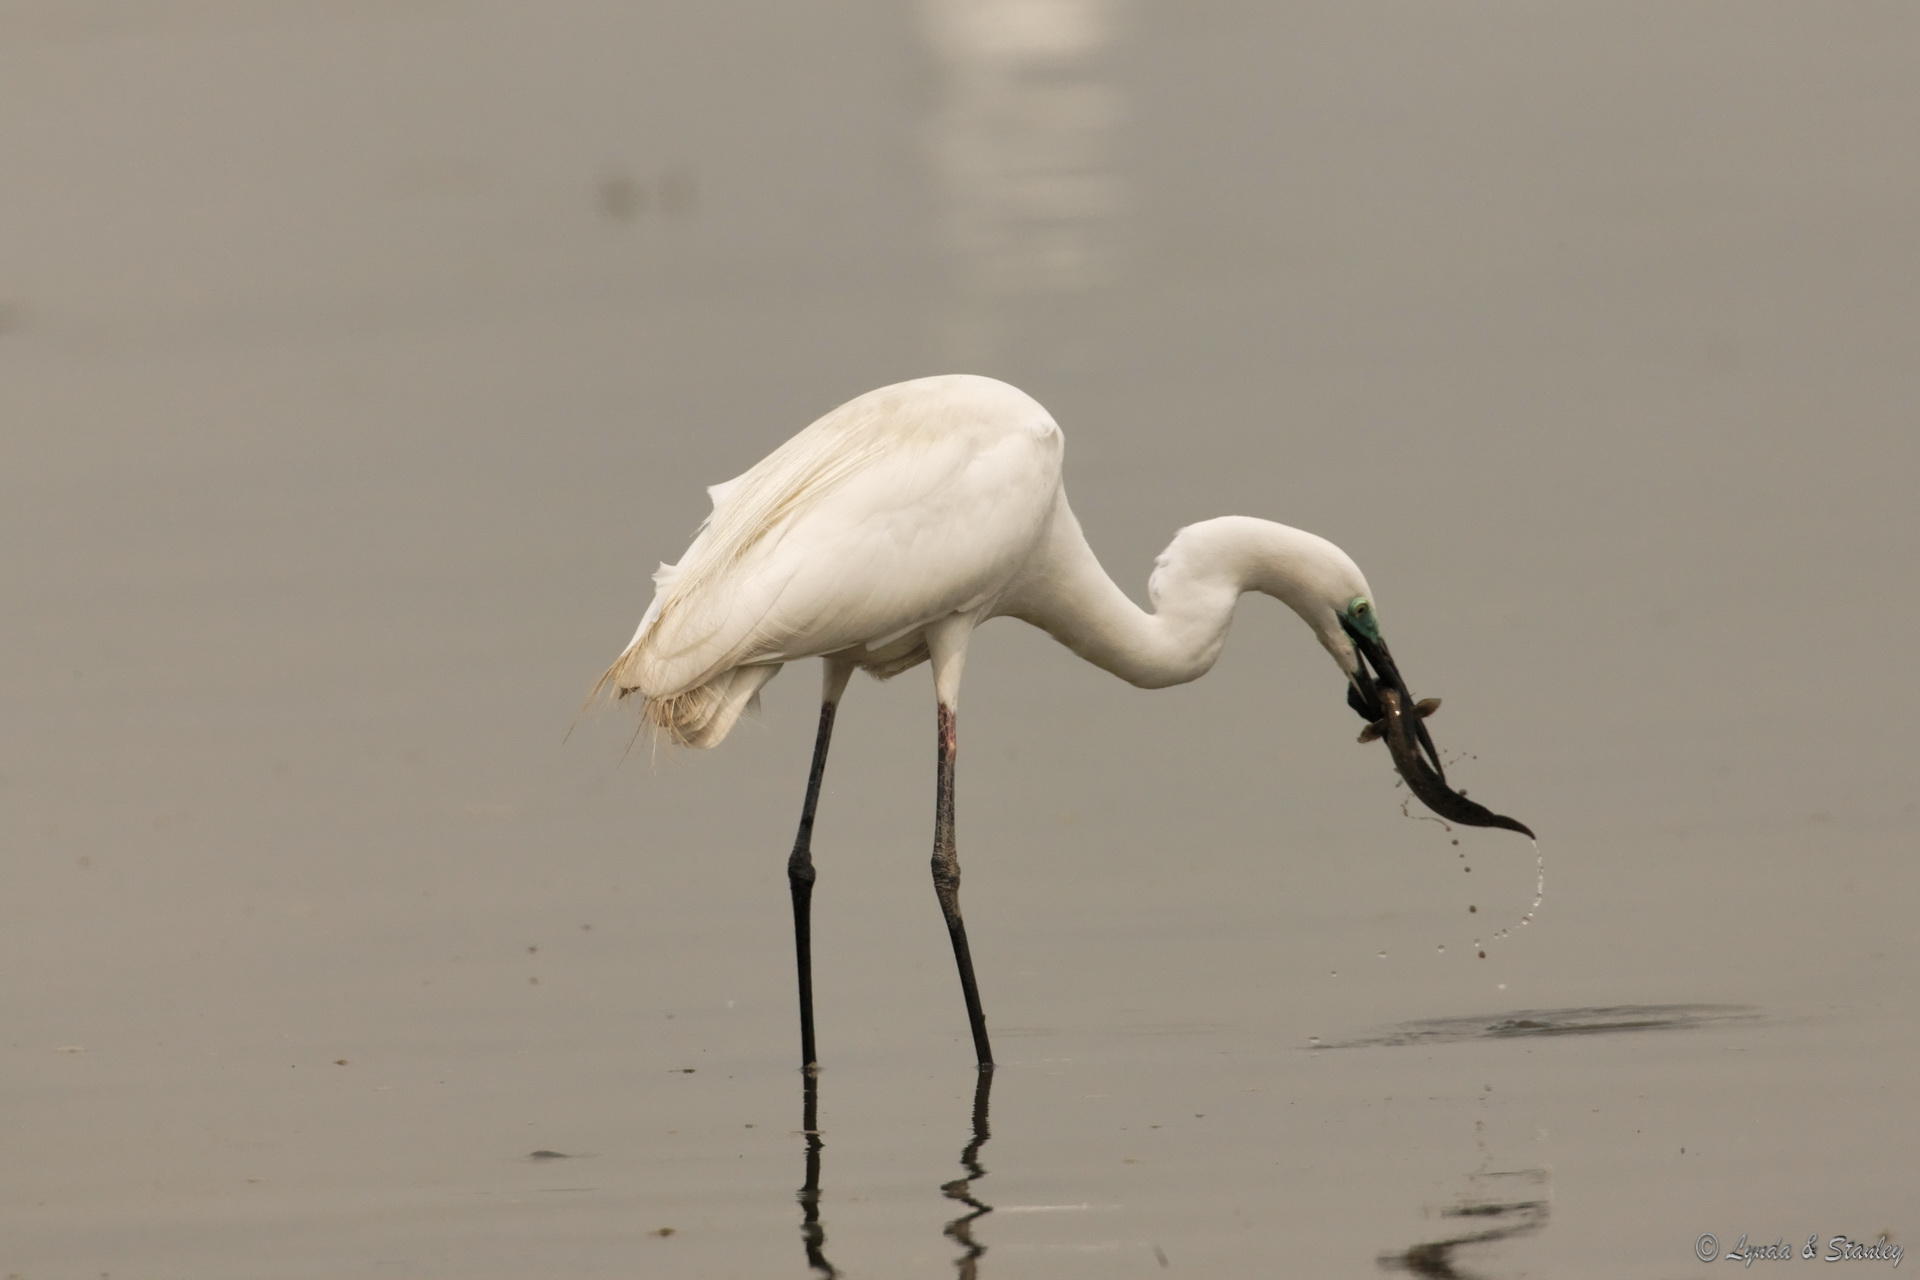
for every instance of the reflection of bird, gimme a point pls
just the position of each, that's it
(883, 534)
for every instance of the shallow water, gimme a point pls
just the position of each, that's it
(361, 361)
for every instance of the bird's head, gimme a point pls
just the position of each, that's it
(1326, 588)
(1314, 578)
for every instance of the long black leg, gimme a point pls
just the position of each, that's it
(946, 884)
(800, 879)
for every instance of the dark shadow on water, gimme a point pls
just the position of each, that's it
(1518, 1207)
(813, 1232)
(1590, 1021)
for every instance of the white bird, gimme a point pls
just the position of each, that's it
(883, 534)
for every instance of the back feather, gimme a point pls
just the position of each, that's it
(718, 626)
(746, 510)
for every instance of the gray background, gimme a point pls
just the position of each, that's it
(359, 360)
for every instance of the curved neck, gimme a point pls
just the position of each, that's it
(1196, 582)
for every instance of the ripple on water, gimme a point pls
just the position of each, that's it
(1588, 1020)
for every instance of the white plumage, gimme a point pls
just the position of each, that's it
(910, 504)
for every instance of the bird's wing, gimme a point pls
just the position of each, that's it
(848, 537)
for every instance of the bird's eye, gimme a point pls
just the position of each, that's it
(1360, 607)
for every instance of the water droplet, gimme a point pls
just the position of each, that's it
(1380, 955)
(1442, 948)
(1313, 1040)
(1333, 973)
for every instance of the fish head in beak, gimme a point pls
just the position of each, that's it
(1374, 670)
(1379, 693)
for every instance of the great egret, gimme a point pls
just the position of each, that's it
(883, 534)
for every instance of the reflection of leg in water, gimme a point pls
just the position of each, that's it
(960, 1230)
(811, 1232)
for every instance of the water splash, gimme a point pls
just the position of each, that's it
(1505, 932)
(1539, 882)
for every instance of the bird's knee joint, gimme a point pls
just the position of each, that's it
(800, 868)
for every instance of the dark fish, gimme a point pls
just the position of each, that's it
(1422, 779)
(1423, 708)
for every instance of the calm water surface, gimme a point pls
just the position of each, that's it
(361, 360)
